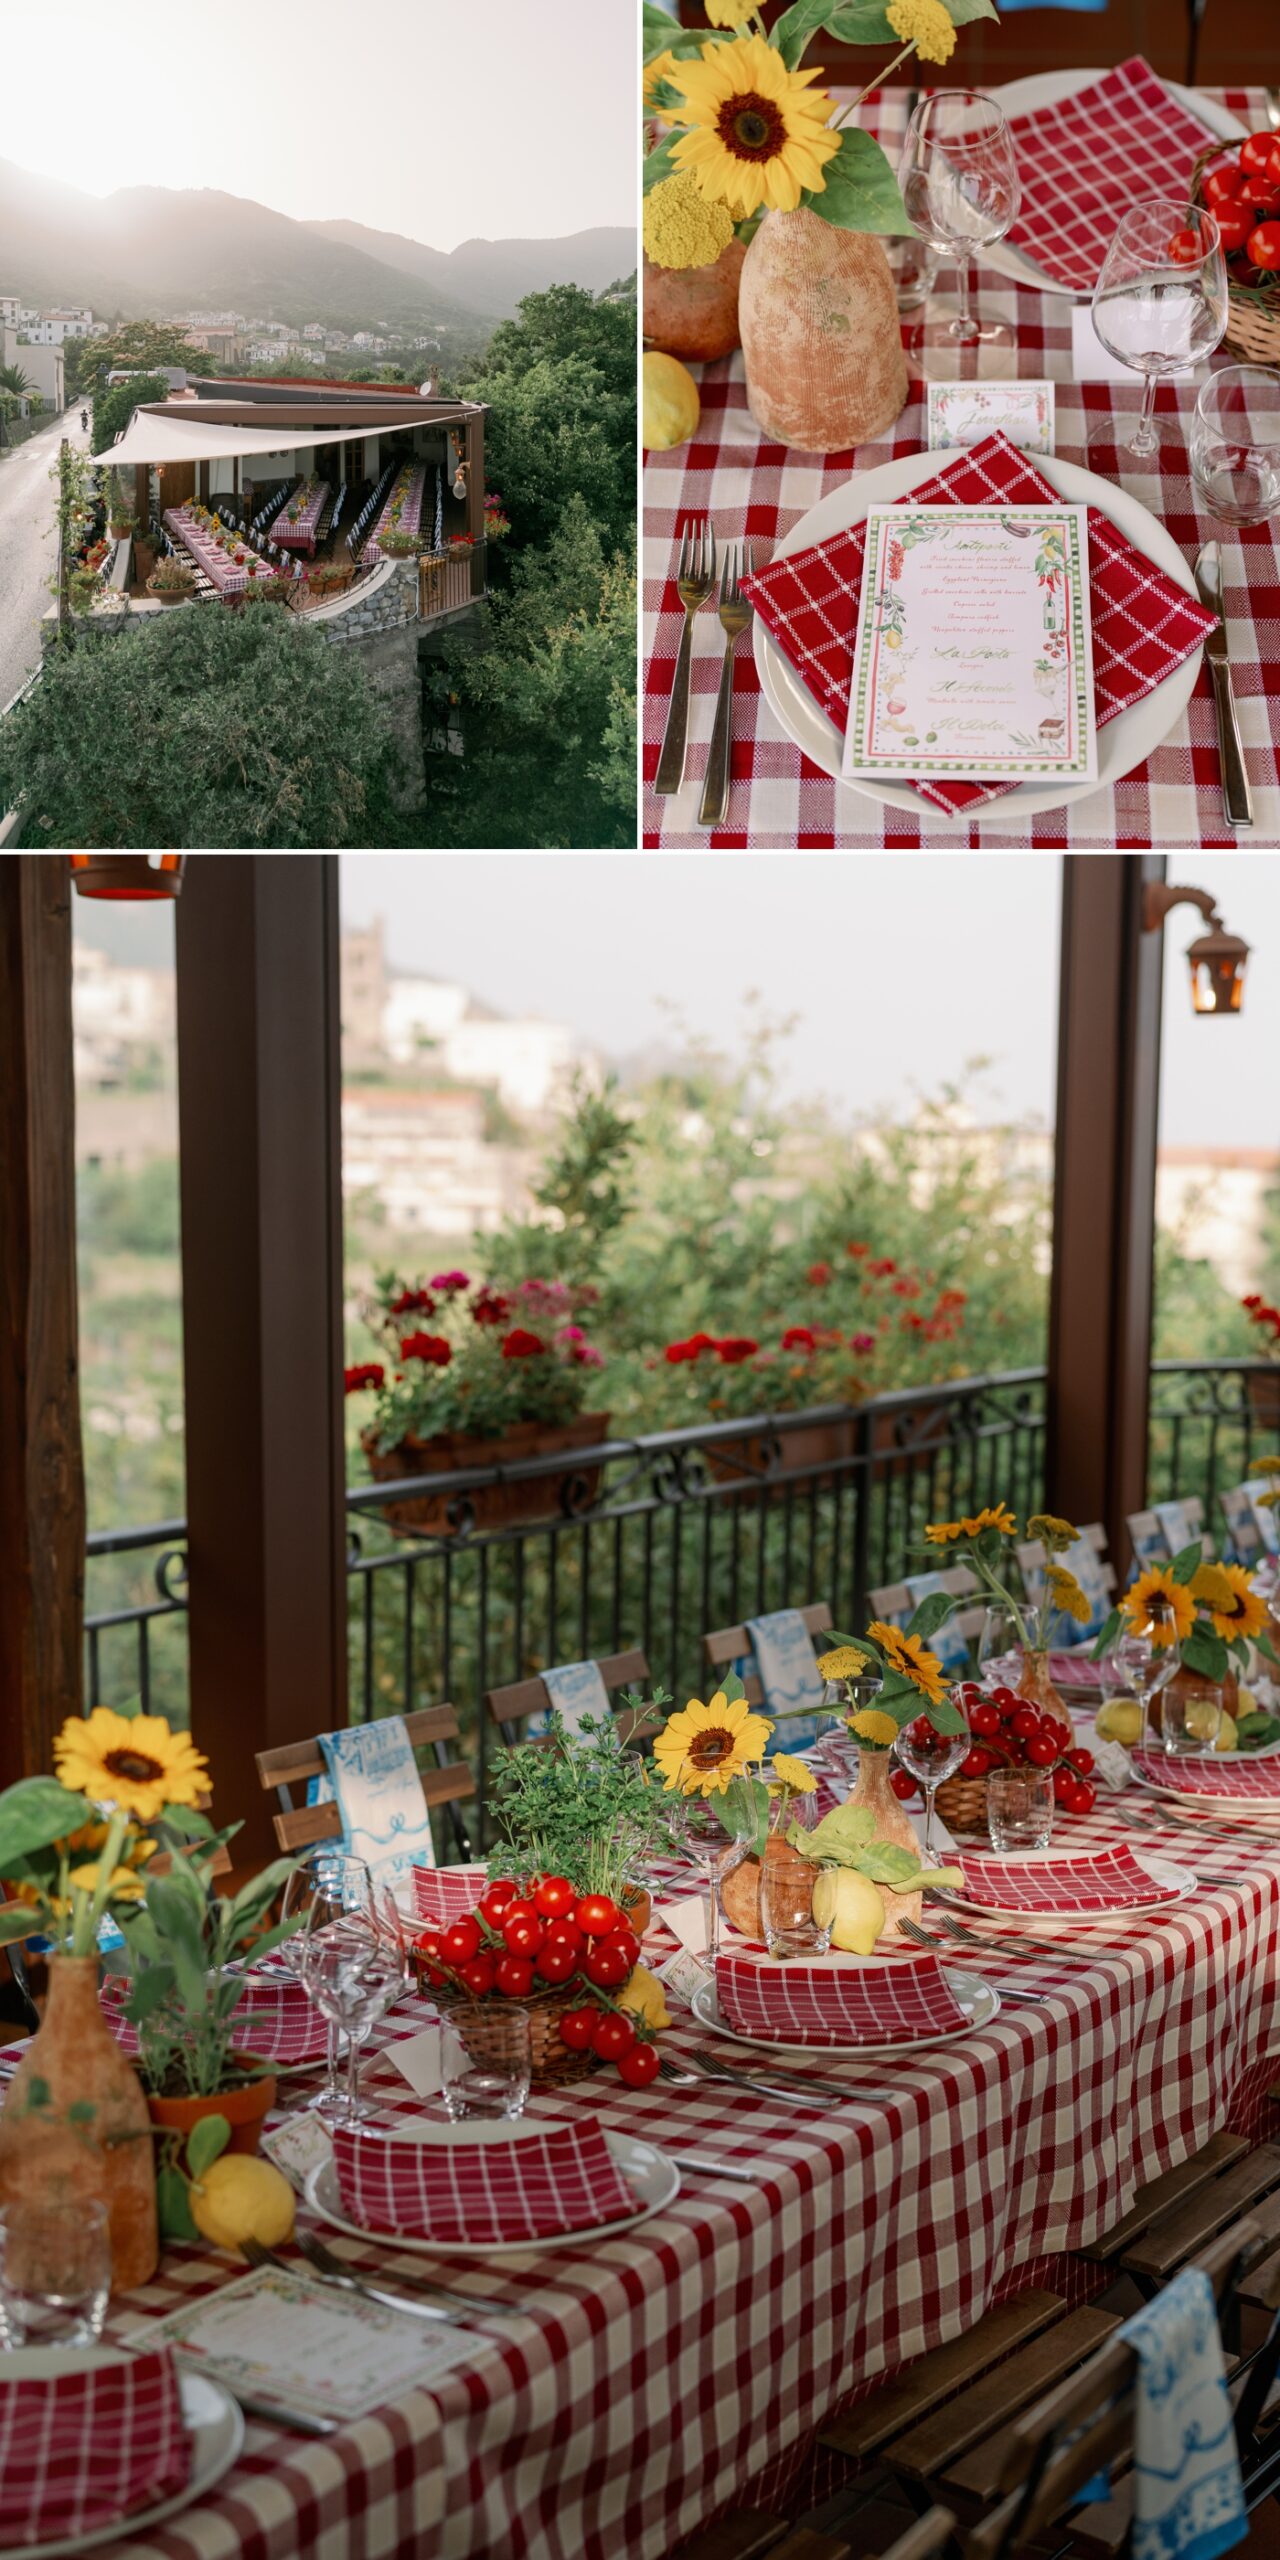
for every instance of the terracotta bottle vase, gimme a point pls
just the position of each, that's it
(1035, 1685)
(820, 334)
(46, 2157)
(892, 1823)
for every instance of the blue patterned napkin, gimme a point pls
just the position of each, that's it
(789, 1676)
(1188, 2495)
(373, 1780)
(576, 1689)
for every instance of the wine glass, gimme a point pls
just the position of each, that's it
(998, 1646)
(355, 1967)
(1160, 304)
(325, 1884)
(959, 181)
(1144, 1668)
(1235, 444)
(708, 1827)
(930, 1757)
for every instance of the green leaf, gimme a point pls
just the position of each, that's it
(206, 2143)
(36, 1811)
(792, 31)
(152, 1986)
(173, 2205)
(82, 2112)
(1106, 1637)
(18, 1920)
(257, 1897)
(861, 191)
(1187, 1562)
(1264, 1645)
(932, 1613)
(945, 1718)
(1205, 1653)
(658, 164)
(1254, 1730)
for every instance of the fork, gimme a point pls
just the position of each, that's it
(327, 2264)
(258, 2256)
(695, 580)
(735, 616)
(787, 2083)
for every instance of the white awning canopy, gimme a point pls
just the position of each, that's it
(156, 435)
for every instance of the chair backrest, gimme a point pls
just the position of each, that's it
(512, 1707)
(293, 1764)
(927, 2536)
(895, 1601)
(1031, 1567)
(1160, 1533)
(726, 1645)
(1253, 1530)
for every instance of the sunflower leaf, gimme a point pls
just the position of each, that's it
(861, 191)
(1187, 1562)
(35, 1812)
(792, 31)
(944, 1717)
(658, 164)
(1205, 1653)
(932, 1613)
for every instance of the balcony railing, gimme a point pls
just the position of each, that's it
(654, 1540)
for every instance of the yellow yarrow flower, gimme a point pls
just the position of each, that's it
(793, 1773)
(730, 13)
(926, 25)
(1055, 1534)
(871, 1724)
(1066, 1593)
(682, 228)
(755, 134)
(844, 1662)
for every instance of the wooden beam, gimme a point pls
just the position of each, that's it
(1104, 1192)
(42, 1508)
(261, 1174)
(475, 501)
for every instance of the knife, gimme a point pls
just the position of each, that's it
(1237, 799)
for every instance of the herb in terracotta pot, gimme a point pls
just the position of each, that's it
(579, 1805)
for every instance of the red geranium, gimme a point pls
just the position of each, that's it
(519, 1345)
(449, 1283)
(677, 1352)
(427, 1346)
(490, 1307)
(412, 1302)
(736, 1348)
(800, 1337)
(862, 1342)
(819, 1273)
(859, 1251)
(367, 1373)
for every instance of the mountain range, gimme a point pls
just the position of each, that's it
(149, 252)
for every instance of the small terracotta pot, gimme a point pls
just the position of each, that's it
(637, 1906)
(692, 312)
(245, 2109)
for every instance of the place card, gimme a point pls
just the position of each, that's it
(418, 2060)
(684, 1974)
(972, 658)
(299, 2145)
(962, 413)
(687, 1921)
(277, 2335)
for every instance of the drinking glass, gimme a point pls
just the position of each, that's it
(959, 182)
(931, 1757)
(1144, 1669)
(1192, 1721)
(998, 1641)
(707, 1827)
(1020, 1808)
(486, 2060)
(55, 2273)
(328, 1883)
(355, 1967)
(1235, 444)
(790, 1901)
(1160, 304)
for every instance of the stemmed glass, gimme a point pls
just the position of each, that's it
(1144, 1669)
(710, 1829)
(1160, 304)
(355, 1966)
(959, 180)
(999, 1639)
(328, 1883)
(1235, 444)
(930, 1757)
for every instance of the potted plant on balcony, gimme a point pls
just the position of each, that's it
(1264, 1385)
(477, 1376)
(171, 581)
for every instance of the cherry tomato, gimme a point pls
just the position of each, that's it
(429, 1943)
(562, 1933)
(1261, 193)
(903, 1784)
(1042, 1750)
(639, 2066)
(577, 2028)
(1025, 1723)
(479, 1975)
(969, 1693)
(1255, 153)
(1086, 1798)
(556, 1964)
(1234, 222)
(1081, 1762)
(984, 1719)
(612, 2036)
(1264, 246)
(920, 1729)
(975, 1763)
(596, 1915)
(1065, 1788)
(608, 1964)
(1186, 248)
(513, 1976)
(1221, 185)
(625, 1940)
(554, 1897)
(522, 1937)
(461, 1942)
(497, 1901)
(1005, 1701)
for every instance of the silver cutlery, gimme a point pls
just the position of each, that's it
(327, 2263)
(735, 616)
(260, 2257)
(1273, 109)
(713, 2168)
(1237, 799)
(790, 2084)
(695, 579)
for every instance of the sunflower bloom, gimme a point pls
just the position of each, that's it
(909, 1657)
(754, 135)
(1066, 1594)
(664, 66)
(1235, 1608)
(1159, 1607)
(872, 1725)
(1055, 1534)
(682, 228)
(940, 1533)
(926, 25)
(844, 1662)
(704, 1747)
(125, 1886)
(135, 1762)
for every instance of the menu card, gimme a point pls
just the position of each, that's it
(277, 2336)
(972, 657)
(962, 413)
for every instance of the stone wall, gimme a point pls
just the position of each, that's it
(388, 602)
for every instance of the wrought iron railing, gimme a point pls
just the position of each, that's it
(655, 1540)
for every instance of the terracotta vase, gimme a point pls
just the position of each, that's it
(892, 1823)
(692, 312)
(245, 2108)
(46, 2158)
(820, 334)
(1034, 1684)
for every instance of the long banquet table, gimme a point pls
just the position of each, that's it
(410, 513)
(300, 535)
(216, 563)
(650, 2377)
(759, 490)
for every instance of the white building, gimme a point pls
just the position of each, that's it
(43, 367)
(115, 1012)
(530, 1064)
(420, 1014)
(53, 328)
(424, 1157)
(314, 329)
(1213, 1199)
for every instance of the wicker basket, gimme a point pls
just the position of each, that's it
(1253, 311)
(962, 1804)
(553, 2060)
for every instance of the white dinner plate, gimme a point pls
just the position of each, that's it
(1232, 1808)
(653, 2179)
(978, 1999)
(1048, 89)
(1124, 742)
(1172, 1882)
(213, 2420)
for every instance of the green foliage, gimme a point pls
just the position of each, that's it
(15, 381)
(846, 1838)
(33, 1814)
(861, 191)
(203, 729)
(578, 1806)
(114, 405)
(134, 346)
(180, 1943)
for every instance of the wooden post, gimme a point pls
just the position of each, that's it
(475, 501)
(259, 1105)
(1104, 1194)
(42, 1512)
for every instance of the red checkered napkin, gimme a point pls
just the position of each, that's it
(442, 1895)
(1250, 1783)
(893, 2000)
(1143, 625)
(79, 2452)
(1084, 162)
(1107, 1880)
(275, 2020)
(510, 2188)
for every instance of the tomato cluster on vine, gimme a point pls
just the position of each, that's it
(545, 1936)
(1010, 1732)
(1243, 195)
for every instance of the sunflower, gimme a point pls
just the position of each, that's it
(1055, 1534)
(1159, 1607)
(135, 1762)
(1065, 1593)
(755, 135)
(704, 1747)
(844, 1662)
(1235, 1608)
(941, 1532)
(907, 1656)
(125, 1885)
(872, 1725)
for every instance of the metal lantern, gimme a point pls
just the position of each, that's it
(127, 875)
(1217, 963)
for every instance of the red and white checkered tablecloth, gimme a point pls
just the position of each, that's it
(758, 490)
(659, 2372)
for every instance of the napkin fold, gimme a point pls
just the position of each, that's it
(79, 2452)
(1143, 625)
(1230, 1776)
(497, 2185)
(274, 2020)
(1188, 2498)
(893, 2000)
(1084, 162)
(442, 1895)
(1106, 1880)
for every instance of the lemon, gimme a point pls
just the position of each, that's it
(644, 1996)
(671, 404)
(242, 2198)
(851, 1906)
(1228, 1739)
(1119, 1720)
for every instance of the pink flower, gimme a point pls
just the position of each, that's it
(862, 1342)
(450, 1282)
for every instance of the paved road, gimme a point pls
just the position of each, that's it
(28, 549)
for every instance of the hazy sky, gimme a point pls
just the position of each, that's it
(430, 117)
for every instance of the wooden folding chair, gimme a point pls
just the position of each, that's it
(446, 1783)
(727, 1645)
(747, 2533)
(514, 1706)
(894, 1603)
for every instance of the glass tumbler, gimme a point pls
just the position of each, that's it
(1191, 1720)
(55, 2273)
(486, 2060)
(1020, 1809)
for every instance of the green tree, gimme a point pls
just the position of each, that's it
(133, 346)
(12, 378)
(566, 321)
(114, 405)
(203, 728)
